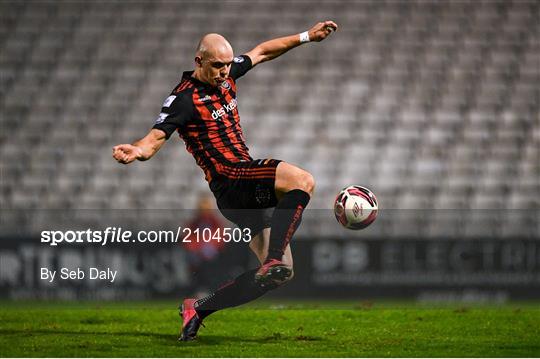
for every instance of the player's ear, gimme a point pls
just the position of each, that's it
(198, 60)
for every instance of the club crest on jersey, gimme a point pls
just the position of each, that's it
(238, 60)
(226, 85)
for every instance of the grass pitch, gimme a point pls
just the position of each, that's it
(150, 329)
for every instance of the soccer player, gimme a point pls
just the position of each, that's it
(203, 110)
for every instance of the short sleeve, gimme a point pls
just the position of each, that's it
(241, 64)
(175, 113)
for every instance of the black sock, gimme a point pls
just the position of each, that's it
(285, 220)
(241, 290)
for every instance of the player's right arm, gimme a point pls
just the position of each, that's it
(175, 113)
(142, 149)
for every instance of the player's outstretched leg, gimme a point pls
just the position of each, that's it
(241, 290)
(294, 188)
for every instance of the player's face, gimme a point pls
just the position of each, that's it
(215, 67)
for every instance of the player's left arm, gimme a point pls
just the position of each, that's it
(271, 49)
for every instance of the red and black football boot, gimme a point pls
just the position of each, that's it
(273, 271)
(191, 321)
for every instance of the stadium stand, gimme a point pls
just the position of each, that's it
(434, 105)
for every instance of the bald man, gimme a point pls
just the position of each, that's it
(257, 195)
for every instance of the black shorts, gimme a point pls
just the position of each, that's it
(246, 195)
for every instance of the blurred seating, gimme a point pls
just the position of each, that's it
(432, 104)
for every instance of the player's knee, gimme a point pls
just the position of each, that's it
(306, 182)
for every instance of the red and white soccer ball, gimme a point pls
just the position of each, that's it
(356, 207)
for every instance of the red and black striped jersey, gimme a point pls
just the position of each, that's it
(207, 119)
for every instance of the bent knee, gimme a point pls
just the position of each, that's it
(289, 177)
(306, 182)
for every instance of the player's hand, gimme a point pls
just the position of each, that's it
(321, 30)
(126, 153)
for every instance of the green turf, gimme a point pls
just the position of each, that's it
(365, 330)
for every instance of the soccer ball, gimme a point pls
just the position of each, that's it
(355, 207)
